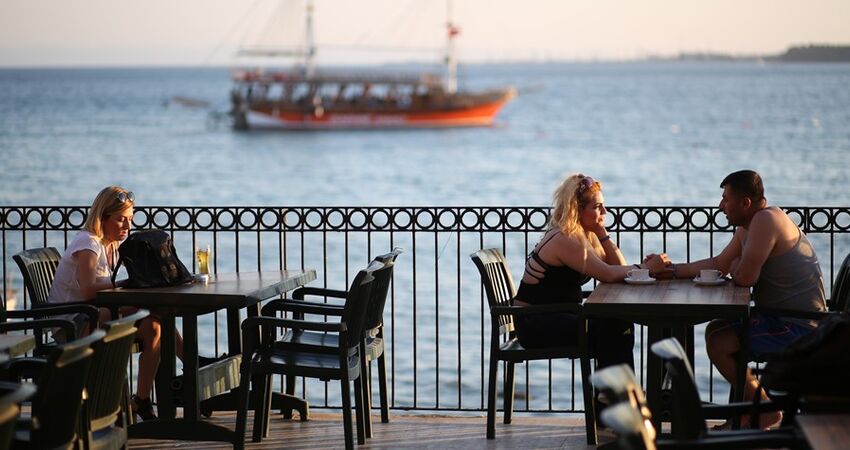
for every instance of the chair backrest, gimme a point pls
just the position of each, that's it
(38, 267)
(620, 385)
(108, 374)
(634, 432)
(11, 396)
(356, 304)
(838, 300)
(687, 406)
(380, 289)
(498, 283)
(56, 404)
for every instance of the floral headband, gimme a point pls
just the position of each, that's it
(586, 183)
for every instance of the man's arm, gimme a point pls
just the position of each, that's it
(761, 238)
(722, 262)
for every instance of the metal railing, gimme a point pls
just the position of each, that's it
(436, 320)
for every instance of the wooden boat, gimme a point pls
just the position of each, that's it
(305, 99)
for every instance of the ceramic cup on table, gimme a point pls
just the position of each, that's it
(709, 275)
(638, 274)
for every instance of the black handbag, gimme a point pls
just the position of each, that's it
(151, 260)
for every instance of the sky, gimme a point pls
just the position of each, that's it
(208, 32)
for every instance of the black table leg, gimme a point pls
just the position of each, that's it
(190, 367)
(654, 375)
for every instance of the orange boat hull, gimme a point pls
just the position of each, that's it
(472, 116)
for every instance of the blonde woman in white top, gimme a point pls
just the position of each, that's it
(86, 268)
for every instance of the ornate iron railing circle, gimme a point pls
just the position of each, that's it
(274, 214)
(398, 214)
(210, 216)
(379, 219)
(672, 214)
(813, 217)
(452, 224)
(624, 214)
(357, 219)
(309, 215)
(428, 215)
(660, 219)
(697, 212)
(836, 219)
(543, 214)
(476, 219)
(58, 213)
(336, 214)
(288, 215)
(225, 214)
(182, 214)
(488, 223)
(520, 214)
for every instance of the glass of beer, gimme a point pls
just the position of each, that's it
(203, 254)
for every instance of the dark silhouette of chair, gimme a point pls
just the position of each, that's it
(619, 383)
(60, 380)
(38, 268)
(263, 357)
(39, 325)
(504, 345)
(106, 409)
(633, 431)
(11, 396)
(690, 413)
(328, 342)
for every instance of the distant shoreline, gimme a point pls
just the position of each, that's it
(795, 54)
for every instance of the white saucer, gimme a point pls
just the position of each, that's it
(630, 280)
(716, 282)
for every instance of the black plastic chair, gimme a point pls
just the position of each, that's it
(690, 413)
(504, 345)
(60, 381)
(38, 268)
(106, 409)
(327, 342)
(11, 396)
(620, 384)
(262, 358)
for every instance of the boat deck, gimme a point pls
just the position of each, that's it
(406, 430)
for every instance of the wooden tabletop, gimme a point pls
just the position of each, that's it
(669, 298)
(222, 291)
(826, 431)
(16, 344)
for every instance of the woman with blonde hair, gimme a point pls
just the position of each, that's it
(86, 268)
(575, 248)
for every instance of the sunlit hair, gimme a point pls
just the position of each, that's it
(567, 202)
(106, 204)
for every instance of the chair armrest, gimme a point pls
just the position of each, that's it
(52, 309)
(19, 368)
(274, 322)
(299, 293)
(586, 294)
(812, 315)
(574, 308)
(65, 325)
(301, 306)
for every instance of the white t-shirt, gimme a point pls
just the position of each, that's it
(66, 286)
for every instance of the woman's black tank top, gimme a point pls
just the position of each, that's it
(556, 284)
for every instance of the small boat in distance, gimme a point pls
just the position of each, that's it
(304, 99)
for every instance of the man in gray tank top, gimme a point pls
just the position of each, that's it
(770, 253)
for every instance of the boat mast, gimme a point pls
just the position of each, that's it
(451, 59)
(309, 43)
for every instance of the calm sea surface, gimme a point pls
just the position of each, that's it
(653, 133)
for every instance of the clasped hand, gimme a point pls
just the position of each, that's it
(659, 265)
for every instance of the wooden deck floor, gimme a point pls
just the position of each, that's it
(324, 431)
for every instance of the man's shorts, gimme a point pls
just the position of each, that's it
(770, 334)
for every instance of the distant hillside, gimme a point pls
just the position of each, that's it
(816, 53)
(810, 53)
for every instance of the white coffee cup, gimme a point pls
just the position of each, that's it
(709, 275)
(638, 274)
